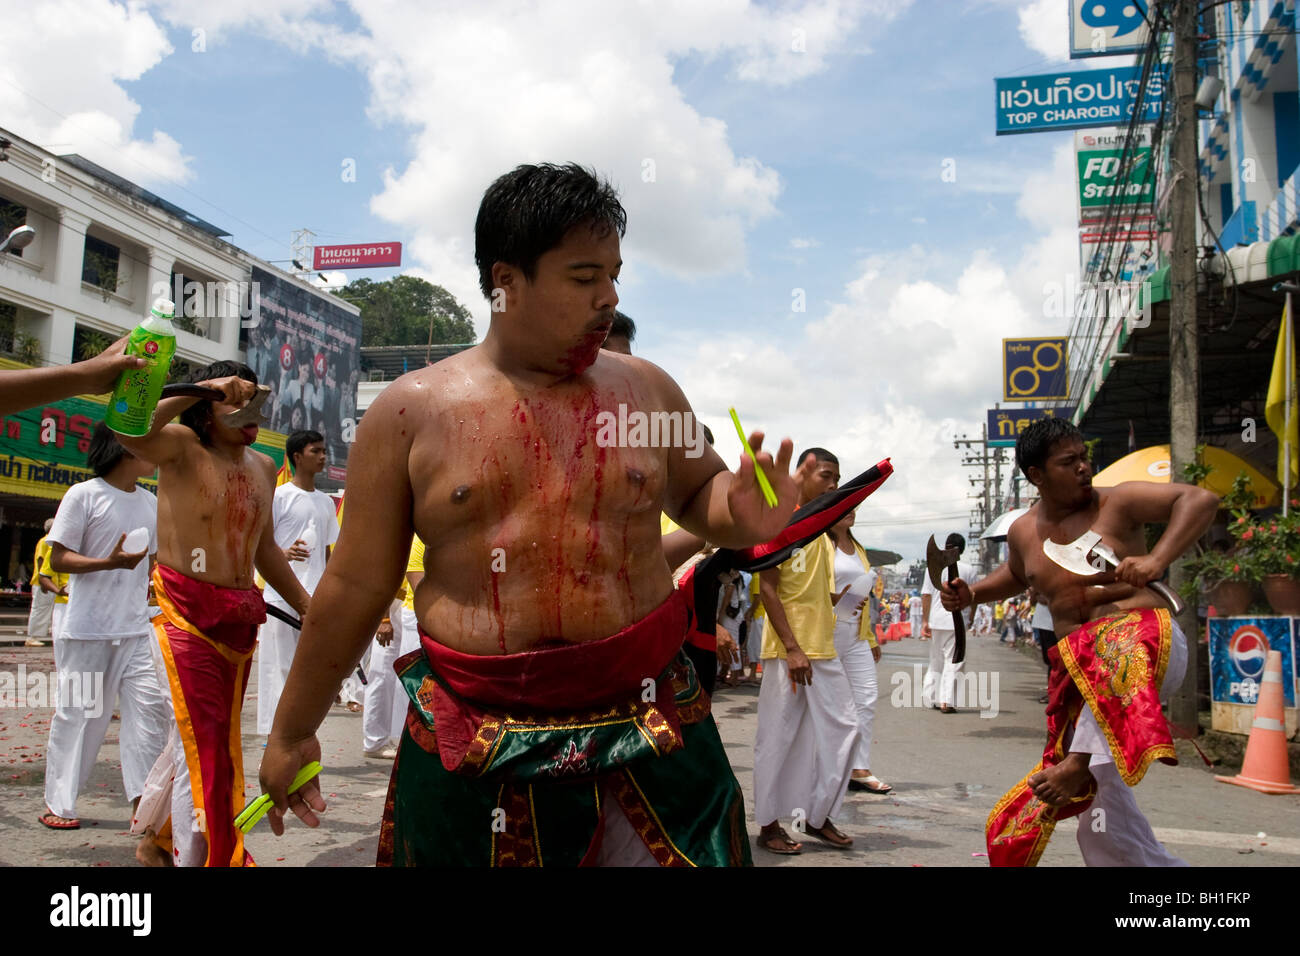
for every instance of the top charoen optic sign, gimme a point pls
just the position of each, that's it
(1077, 100)
(1107, 27)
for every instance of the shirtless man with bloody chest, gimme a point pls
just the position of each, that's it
(1118, 649)
(553, 717)
(214, 526)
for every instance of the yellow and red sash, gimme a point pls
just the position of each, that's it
(1115, 665)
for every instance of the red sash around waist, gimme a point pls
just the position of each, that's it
(229, 616)
(571, 676)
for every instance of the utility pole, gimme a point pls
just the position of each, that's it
(985, 498)
(1184, 354)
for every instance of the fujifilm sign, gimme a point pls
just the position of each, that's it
(1075, 100)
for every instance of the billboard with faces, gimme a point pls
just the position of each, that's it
(306, 346)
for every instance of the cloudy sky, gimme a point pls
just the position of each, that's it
(823, 229)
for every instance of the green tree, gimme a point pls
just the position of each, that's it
(404, 310)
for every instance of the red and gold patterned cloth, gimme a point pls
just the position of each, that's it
(1114, 666)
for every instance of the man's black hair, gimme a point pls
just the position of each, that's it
(198, 417)
(821, 454)
(105, 451)
(955, 540)
(1035, 443)
(623, 326)
(297, 442)
(708, 432)
(527, 211)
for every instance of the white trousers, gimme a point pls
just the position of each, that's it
(276, 643)
(860, 669)
(804, 747)
(41, 615)
(620, 844)
(384, 702)
(78, 727)
(167, 791)
(1119, 835)
(942, 671)
(56, 621)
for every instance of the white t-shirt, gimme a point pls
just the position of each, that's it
(1042, 617)
(293, 512)
(92, 517)
(940, 618)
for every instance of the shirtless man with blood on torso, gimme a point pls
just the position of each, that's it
(543, 545)
(214, 527)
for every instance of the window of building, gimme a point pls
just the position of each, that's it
(99, 264)
(12, 215)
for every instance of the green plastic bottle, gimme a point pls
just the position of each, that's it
(130, 410)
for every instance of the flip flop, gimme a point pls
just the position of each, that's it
(866, 784)
(791, 848)
(838, 840)
(48, 818)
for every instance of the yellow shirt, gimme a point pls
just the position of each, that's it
(42, 564)
(755, 598)
(806, 597)
(415, 562)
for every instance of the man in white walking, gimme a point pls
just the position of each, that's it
(305, 529)
(102, 534)
(939, 689)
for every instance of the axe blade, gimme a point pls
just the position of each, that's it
(251, 413)
(1074, 556)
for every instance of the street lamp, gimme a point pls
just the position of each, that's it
(20, 238)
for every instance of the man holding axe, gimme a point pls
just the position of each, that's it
(214, 524)
(1118, 649)
(945, 629)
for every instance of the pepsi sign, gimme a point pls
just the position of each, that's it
(1239, 649)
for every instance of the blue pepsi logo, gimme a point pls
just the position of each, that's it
(1248, 650)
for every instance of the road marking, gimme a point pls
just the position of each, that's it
(1228, 841)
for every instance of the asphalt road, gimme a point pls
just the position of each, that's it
(947, 771)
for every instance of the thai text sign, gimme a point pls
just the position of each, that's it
(1075, 100)
(362, 256)
(1034, 370)
(1006, 424)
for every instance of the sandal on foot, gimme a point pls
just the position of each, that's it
(831, 836)
(785, 846)
(871, 784)
(56, 822)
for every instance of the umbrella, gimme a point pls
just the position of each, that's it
(1152, 464)
(997, 531)
(878, 556)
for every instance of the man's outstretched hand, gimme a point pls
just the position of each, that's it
(280, 765)
(750, 512)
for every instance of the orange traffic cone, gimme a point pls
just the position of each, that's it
(1265, 767)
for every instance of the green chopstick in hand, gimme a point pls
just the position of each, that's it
(259, 807)
(768, 494)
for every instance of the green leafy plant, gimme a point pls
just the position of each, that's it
(1195, 472)
(1270, 545)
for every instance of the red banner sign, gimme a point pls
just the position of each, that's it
(367, 256)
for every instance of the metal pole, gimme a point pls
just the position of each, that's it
(1184, 360)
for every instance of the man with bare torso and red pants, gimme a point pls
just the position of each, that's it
(554, 719)
(1118, 651)
(214, 526)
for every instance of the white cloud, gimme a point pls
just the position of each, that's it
(1045, 28)
(907, 359)
(61, 84)
(798, 243)
(486, 87)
